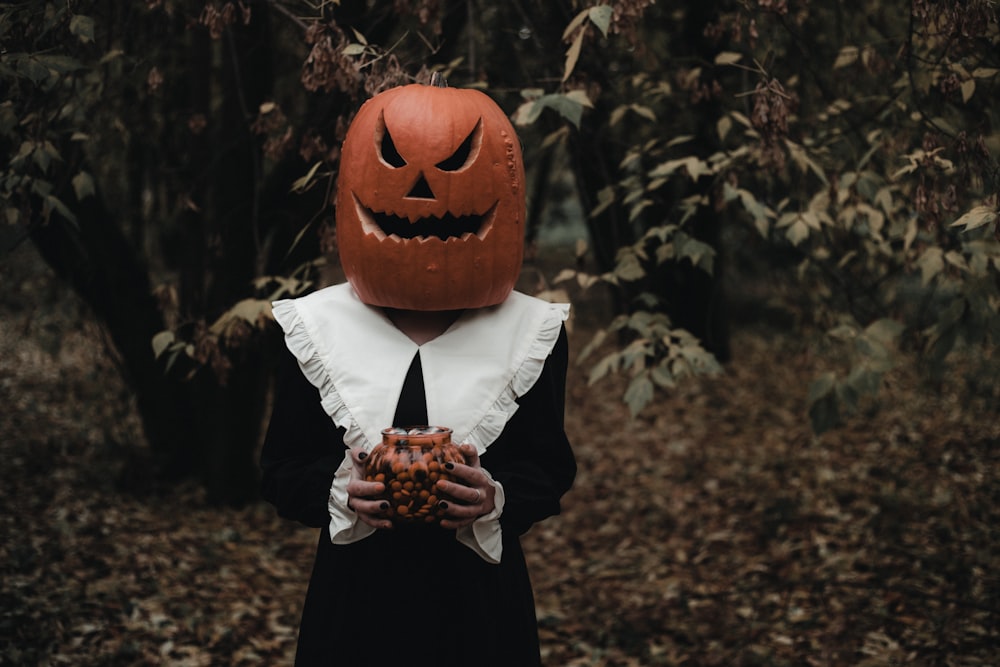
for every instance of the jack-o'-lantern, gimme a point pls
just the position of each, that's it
(430, 200)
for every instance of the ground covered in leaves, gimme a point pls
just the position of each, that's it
(714, 530)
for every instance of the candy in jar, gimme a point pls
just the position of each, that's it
(410, 461)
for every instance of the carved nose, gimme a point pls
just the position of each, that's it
(421, 189)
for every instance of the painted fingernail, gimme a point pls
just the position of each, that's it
(362, 456)
(383, 505)
(449, 465)
(443, 505)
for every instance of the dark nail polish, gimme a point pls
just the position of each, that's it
(383, 506)
(443, 505)
(363, 455)
(449, 465)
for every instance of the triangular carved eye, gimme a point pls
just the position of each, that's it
(466, 153)
(387, 152)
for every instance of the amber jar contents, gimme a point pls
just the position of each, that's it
(410, 461)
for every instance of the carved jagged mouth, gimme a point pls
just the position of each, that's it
(449, 226)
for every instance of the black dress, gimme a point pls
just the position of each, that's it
(414, 596)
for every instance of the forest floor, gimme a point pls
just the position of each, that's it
(716, 529)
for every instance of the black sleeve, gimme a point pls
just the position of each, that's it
(302, 449)
(533, 459)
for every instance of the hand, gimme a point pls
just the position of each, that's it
(364, 497)
(473, 497)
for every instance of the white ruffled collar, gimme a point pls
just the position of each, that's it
(472, 373)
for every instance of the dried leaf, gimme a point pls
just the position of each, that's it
(976, 217)
(573, 55)
(728, 58)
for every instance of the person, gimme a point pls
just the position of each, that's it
(493, 369)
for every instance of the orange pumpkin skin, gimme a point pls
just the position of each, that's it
(430, 200)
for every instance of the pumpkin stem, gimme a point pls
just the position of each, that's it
(438, 80)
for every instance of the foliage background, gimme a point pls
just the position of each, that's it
(778, 222)
(718, 531)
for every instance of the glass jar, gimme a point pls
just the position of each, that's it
(410, 461)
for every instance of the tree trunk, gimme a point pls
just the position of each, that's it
(96, 259)
(697, 298)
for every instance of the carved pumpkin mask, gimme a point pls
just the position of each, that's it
(430, 200)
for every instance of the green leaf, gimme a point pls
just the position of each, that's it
(83, 27)
(26, 149)
(976, 217)
(956, 259)
(8, 119)
(876, 354)
(113, 54)
(83, 185)
(843, 332)
(564, 275)
(864, 381)
(639, 393)
(822, 386)
(56, 204)
(629, 268)
(728, 58)
(598, 339)
(600, 16)
(910, 235)
(573, 55)
(643, 111)
(758, 211)
(848, 56)
(847, 396)
(722, 127)
(252, 311)
(568, 107)
(700, 254)
(161, 342)
(694, 166)
(579, 96)
(59, 64)
(303, 183)
(42, 158)
(635, 354)
(636, 210)
(968, 88)
(885, 330)
(605, 198)
(798, 231)
(603, 367)
(800, 156)
(930, 263)
(558, 135)
(824, 408)
(575, 23)
(664, 252)
(32, 70)
(286, 286)
(662, 376)
(173, 354)
(41, 187)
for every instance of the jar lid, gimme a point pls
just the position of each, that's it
(416, 430)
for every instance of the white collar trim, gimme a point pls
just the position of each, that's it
(473, 373)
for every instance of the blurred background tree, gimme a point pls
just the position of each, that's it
(833, 166)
